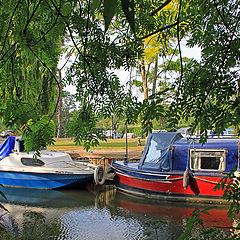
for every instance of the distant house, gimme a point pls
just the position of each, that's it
(112, 134)
(129, 135)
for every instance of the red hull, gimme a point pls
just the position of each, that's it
(198, 186)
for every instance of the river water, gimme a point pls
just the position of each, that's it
(98, 213)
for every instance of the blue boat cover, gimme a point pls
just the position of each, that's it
(157, 154)
(6, 147)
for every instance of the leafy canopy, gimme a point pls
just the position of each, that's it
(107, 35)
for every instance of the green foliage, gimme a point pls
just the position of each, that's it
(83, 129)
(152, 110)
(34, 227)
(230, 185)
(32, 34)
(30, 40)
(194, 218)
(128, 9)
(208, 91)
(110, 8)
(69, 106)
(38, 134)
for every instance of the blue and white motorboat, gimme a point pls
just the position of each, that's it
(51, 170)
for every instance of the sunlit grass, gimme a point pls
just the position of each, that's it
(110, 144)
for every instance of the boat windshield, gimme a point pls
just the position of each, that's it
(32, 162)
(154, 152)
(157, 152)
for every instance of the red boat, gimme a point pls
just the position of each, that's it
(178, 169)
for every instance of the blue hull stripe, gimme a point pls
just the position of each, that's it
(41, 180)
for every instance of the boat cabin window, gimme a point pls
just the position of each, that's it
(154, 152)
(208, 159)
(32, 162)
(19, 145)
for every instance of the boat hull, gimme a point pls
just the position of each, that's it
(42, 180)
(168, 186)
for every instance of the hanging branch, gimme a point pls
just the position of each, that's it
(160, 8)
(178, 39)
(160, 30)
(54, 77)
(72, 38)
(8, 56)
(29, 20)
(9, 25)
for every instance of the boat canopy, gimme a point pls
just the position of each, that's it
(7, 147)
(157, 154)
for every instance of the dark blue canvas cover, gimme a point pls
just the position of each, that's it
(157, 154)
(6, 147)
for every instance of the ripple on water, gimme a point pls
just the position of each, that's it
(99, 224)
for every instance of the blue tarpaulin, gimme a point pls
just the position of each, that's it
(6, 147)
(157, 153)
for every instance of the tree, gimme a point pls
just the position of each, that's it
(31, 36)
(209, 91)
(31, 39)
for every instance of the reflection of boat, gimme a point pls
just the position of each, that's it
(173, 212)
(69, 214)
(45, 198)
(26, 206)
(178, 169)
(90, 195)
(49, 171)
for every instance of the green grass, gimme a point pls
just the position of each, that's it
(110, 144)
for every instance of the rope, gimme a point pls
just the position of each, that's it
(167, 180)
(204, 180)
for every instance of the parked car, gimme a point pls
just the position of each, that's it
(7, 133)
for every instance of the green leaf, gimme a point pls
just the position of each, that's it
(66, 9)
(128, 9)
(95, 4)
(110, 7)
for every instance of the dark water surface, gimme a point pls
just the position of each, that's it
(98, 213)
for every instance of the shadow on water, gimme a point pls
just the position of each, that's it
(97, 213)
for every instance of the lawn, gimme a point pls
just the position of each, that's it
(109, 146)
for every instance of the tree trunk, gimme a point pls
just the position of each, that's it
(59, 130)
(114, 126)
(144, 79)
(155, 75)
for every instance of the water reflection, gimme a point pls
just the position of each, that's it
(97, 213)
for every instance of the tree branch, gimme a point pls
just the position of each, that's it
(5, 39)
(29, 20)
(160, 8)
(53, 75)
(178, 39)
(160, 30)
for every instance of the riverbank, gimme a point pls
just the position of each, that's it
(112, 148)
